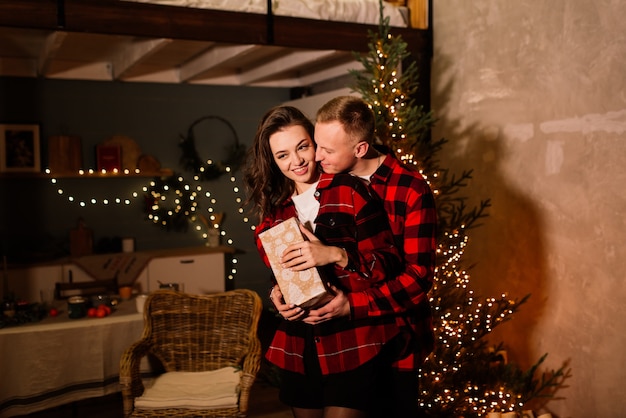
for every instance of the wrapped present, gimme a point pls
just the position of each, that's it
(302, 288)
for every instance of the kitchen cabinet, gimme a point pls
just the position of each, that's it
(196, 269)
(194, 272)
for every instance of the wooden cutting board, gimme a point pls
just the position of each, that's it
(65, 154)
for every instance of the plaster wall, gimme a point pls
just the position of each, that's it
(531, 95)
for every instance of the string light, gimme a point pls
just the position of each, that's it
(83, 202)
(459, 326)
(178, 201)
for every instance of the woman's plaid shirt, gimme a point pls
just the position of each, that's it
(351, 217)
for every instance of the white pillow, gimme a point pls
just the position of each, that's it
(193, 390)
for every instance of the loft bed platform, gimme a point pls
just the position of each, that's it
(137, 41)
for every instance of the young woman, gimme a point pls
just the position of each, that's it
(330, 369)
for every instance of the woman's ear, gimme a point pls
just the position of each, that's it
(361, 149)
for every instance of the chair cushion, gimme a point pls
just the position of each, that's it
(193, 390)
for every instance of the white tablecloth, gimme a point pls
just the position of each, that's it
(61, 360)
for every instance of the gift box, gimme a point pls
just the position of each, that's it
(302, 288)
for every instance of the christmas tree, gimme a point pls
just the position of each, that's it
(465, 376)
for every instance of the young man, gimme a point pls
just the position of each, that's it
(344, 133)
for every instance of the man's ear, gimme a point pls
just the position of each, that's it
(361, 149)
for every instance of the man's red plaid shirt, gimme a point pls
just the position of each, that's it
(410, 205)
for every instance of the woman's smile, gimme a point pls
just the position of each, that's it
(294, 154)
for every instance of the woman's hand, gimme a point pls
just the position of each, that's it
(289, 312)
(311, 253)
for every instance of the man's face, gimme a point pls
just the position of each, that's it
(336, 151)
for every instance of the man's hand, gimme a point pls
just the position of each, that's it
(337, 307)
(288, 311)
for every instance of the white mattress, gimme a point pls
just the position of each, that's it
(357, 11)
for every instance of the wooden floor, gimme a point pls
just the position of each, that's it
(264, 403)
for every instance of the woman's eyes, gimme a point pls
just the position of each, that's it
(303, 147)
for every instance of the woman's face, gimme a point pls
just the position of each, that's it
(294, 154)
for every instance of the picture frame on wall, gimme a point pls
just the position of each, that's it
(20, 150)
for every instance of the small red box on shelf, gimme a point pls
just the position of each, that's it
(109, 157)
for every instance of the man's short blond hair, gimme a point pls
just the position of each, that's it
(353, 113)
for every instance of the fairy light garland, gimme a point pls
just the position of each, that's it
(172, 202)
(477, 317)
(160, 187)
(119, 200)
(211, 170)
(165, 200)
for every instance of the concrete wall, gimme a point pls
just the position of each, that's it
(532, 96)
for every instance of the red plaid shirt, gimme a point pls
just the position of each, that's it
(352, 217)
(410, 205)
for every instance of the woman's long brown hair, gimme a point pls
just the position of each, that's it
(266, 185)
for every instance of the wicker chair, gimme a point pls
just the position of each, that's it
(195, 333)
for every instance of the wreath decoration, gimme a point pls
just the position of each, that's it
(210, 169)
(170, 202)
